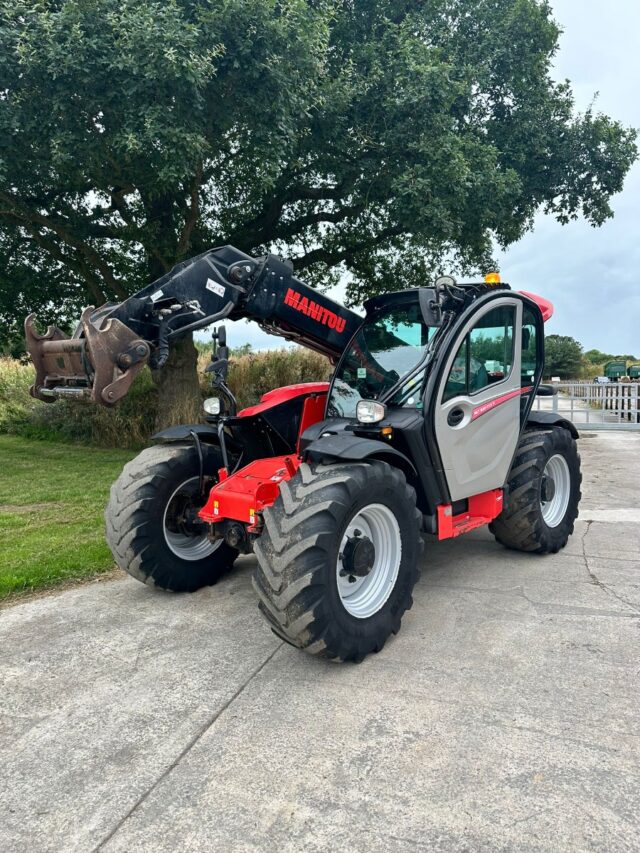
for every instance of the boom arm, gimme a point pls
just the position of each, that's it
(113, 343)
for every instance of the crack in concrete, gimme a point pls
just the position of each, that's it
(559, 736)
(529, 817)
(194, 740)
(595, 580)
(543, 608)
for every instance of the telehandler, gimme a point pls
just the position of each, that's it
(427, 427)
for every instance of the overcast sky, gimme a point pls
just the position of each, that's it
(591, 274)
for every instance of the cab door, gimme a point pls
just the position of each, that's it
(477, 418)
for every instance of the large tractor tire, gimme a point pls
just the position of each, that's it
(543, 493)
(338, 558)
(150, 522)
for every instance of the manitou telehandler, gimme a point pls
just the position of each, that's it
(426, 427)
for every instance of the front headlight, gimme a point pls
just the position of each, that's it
(212, 406)
(370, 412)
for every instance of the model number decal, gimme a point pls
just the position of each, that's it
(214, 287)
(497, 401)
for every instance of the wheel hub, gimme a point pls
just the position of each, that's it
(185, 535)
(358, 556)
(368, 560)
(555, 490)
(548, 489)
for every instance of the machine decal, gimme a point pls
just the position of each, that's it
(497, 401)
(214, 287)
(311, 309)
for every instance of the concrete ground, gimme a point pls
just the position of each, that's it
(504, 716)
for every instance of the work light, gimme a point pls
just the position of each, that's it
(212, 406)
(370, 412)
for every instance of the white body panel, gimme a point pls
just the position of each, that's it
(477, 453)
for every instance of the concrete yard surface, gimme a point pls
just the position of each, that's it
(504, 716)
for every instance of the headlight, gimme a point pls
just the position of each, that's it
(370, 412)
(212, 406)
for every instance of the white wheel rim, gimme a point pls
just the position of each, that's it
(554, 510)
(190, 548)
(367, 595)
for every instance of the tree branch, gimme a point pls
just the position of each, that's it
(26, 215)
(330, 257)
(293, 228)
(83, 271)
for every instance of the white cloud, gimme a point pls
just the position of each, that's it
(592, 274)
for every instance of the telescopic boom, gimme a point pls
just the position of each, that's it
(112, 343)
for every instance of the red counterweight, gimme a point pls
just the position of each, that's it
(248, 491)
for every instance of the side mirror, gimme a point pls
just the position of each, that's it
(526, 338)
(546, 391)
(219, 356)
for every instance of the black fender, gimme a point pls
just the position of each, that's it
(350, 448)
(547, 419)
(182, 433)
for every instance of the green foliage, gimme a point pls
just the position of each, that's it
(206, 348)
(563, 357)
(375, 136)
(595, 356)
(52, 526)
(487, 348)
(127, 425)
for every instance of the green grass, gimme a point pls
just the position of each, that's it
(52, 499)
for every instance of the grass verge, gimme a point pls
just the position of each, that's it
(52, 499)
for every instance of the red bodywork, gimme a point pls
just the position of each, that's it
(543, 304)
(282, 395)
(248, 491)
(255, 486)
(481, 510)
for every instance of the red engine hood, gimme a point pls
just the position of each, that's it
(281, 395)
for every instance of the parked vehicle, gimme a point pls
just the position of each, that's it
(615, 370)
(425, 429)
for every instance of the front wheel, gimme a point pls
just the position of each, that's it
(151, 521)
(338, 558)
(543, 493)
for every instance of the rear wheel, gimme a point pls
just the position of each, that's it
(543, 497)
(152, 527)
(338, 558)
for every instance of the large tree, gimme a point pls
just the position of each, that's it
(376, 137)
(563, 357)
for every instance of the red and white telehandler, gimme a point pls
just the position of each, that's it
(427, 428)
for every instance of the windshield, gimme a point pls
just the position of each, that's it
(387, 347)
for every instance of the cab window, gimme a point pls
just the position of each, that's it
(485, 356)
(387, 347)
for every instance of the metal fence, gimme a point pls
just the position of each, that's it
(615, 405)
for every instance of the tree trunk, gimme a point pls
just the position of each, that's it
(179, 396)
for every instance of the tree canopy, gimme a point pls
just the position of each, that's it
(563, 357)
(596, 356)
(376, 137)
